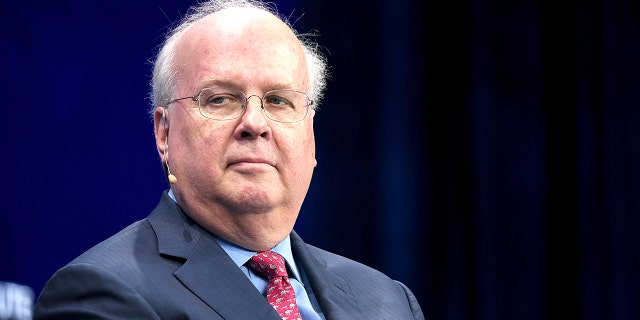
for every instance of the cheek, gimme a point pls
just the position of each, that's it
(302, 152)
(301, 143)
(198, 143)
(311, 141)
(310, 151)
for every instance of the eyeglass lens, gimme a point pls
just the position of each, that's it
(278, 105)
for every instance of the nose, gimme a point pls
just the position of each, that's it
(253, 122)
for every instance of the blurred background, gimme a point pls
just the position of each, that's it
(483, 152)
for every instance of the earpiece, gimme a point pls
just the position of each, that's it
(170, 176)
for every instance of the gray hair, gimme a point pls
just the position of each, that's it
(163, 83)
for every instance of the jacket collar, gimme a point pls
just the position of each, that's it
(211, 275)
(332, 292)
(207, 270)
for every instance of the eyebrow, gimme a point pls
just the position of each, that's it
(206, 83)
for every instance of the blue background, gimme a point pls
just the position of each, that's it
(483, 152)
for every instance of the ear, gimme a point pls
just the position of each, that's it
(161, 131)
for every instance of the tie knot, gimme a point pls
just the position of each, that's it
(269, 264)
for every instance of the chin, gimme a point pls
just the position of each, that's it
(252, 200)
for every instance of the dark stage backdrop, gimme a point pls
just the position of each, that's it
(483, 152)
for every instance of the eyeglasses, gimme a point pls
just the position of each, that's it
(218, 103)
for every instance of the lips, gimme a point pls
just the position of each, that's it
(250, 161)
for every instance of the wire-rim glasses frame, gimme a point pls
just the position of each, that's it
(222, 104)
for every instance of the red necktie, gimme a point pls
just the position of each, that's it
(280, 293)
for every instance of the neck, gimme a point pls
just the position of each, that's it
(253, 231)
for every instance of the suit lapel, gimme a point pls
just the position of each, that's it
(208, 271)
(214, 278)
(331, 291)
(211, 275)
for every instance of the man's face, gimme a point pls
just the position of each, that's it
(235, 172)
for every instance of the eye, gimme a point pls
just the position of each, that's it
(278, 101)
(218, 100)
(221, 103)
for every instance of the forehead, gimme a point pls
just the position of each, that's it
(244, 46)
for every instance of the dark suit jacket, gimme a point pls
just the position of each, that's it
(167, 267)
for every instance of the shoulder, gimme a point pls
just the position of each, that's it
(376, 295)
(311, 255)
(135, 246)
(120, 248)
(336, 261)
(317, 262)
(348, 268)
(104, 273)
(122, 258)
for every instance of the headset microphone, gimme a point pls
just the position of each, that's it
(170, 176)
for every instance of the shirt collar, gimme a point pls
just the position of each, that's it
(240, 255)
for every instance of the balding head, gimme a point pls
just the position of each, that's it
(163, 83)
(243, 45)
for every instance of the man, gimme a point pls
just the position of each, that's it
(234, 89)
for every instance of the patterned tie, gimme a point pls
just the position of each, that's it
(280, 293)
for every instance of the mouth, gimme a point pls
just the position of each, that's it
(250, 162)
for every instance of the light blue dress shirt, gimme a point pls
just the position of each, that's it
(307, 304)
